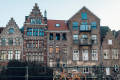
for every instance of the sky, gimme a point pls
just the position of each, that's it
(107, 10)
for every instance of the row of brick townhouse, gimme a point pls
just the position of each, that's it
(66, 43)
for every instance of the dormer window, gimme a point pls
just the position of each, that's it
(11, 31)
(57, 25)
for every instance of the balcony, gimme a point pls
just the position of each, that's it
(76, 41)
(85, 28)
(85, 42)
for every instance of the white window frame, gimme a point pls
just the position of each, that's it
(107, 71)
(75, 55)
(10, 55)
(86, 69)
(3, 55)
(94, 37)
(75, 37)
(109, 41)
(114, 53)
(94, 54)
(106, 52)
(85, 56)
(51, 63)
(17, 54)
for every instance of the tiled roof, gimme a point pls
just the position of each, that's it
(52, 25)
(1, 29)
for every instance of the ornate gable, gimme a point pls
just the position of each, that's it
(35, 16)
(11, 29)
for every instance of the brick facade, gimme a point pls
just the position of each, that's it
(62, 43)
(11, 41)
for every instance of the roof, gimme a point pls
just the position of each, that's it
(84, 8)
(1, 29)
(52, 25)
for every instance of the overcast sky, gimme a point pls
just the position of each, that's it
(107, 10)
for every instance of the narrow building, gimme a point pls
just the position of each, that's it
(35, 36)
(110, 53)
(11, 43)
(58, 40)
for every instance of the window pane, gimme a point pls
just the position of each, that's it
(10, 55)
(64, 37)
(93, 25)
(110, 42)
(75, 25)
(51, 36)
(11, 31)
(85, 55)
(57, 36)
(57, 49)
(51, 49)
(75, 54)
(84, 15)
(3, 41)
(10, 41)
(41, 32)
(75, 37)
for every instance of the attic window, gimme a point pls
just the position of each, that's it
(57, 25)
(11, 31)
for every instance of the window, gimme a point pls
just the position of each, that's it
(110, 42)
(84, 36)
(41, 58)
(29, 44)
(84, 15)
(114, 54)
(106, 54)
(11, 31)
(85, 55)
(57, 25)
(29, 31)
(3, 55)
(3, 41)
(75, 25)
(94, 39)
(10, 55)
(38, 21)
(75, 37)
(10, 41)
(35, 21)
(116, 67)
(64, 37)
(17, 55)
(75, 55)
(32, 21)
(50, 49)
(51, 36)
(85, 27)
(51, 63)
(94, 54)
(64, 49)
(57, 36)
(84, 39)
(85, 69)
(17, 42)
(35, 32)
(93, 25)
(57, 49)
(107, 71)
(41, 32)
